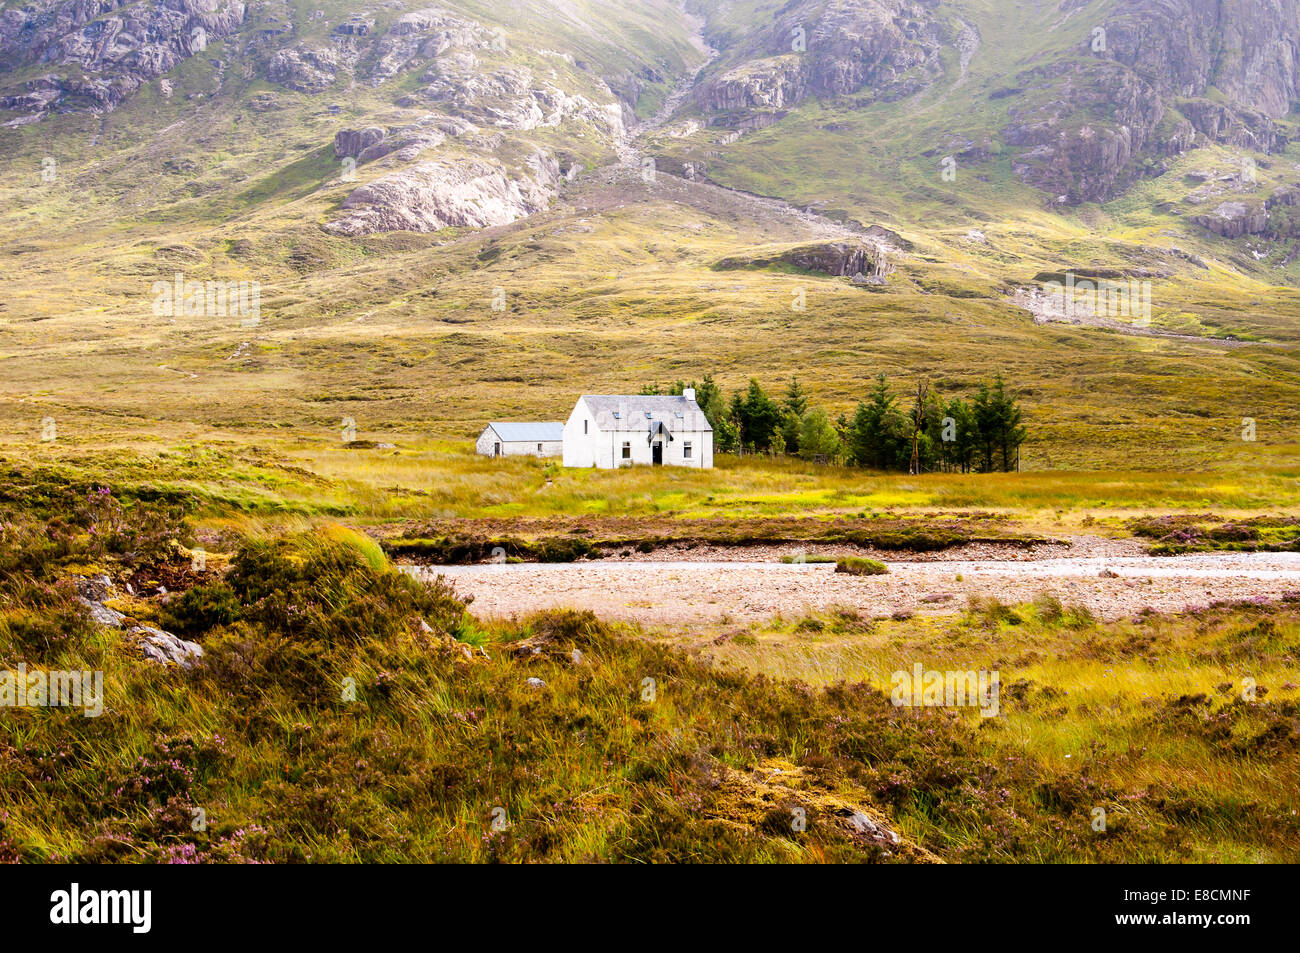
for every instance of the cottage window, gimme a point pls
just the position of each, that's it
(539, 448)
(584, 426)
(627, 450)
(686, 451)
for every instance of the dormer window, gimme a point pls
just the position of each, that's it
(647, 415)
(616, 415)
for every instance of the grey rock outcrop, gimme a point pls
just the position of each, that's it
(99, 52)
(424, 35)
(167, 649)
(1285, 195)
(884, 49)
(352, 142)
(156, 644)
(475, 85)
(840, 258)
(93, 591)
(1234, 219)
(439, 193)
(101, 614)
(511, 97)
(1248, 51)
(306, 69)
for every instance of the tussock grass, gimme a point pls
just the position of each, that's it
(343, 712)
(258, 484)
(858, 566)
(1182, 728)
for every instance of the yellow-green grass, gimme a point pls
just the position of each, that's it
(615, 286)
(274, 479)
(277, 480)
(1100, 699)
(612, 289)
(327, 724)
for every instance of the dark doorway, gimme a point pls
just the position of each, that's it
(658, 451)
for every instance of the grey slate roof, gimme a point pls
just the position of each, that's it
(674, 412)
(529, 431)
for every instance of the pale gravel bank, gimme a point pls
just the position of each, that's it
(754, 585)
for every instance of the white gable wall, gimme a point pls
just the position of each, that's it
(580, 435)
(485, 441)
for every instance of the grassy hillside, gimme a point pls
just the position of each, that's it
(230, 178)
(402, 338)
(344, 713)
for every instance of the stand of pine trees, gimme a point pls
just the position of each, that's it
(925, 434)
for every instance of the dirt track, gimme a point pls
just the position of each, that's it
(681, 592)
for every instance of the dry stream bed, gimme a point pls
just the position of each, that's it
(1111, 578)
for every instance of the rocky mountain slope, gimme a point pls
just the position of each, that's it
(94, 55)
(478, 116)
(1155, 79)
(474, 114)
(1115, 90)
(906, 130)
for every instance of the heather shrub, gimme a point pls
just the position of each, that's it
(201, 608)
(315, 588)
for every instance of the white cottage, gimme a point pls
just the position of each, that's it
(510, 439)
(611, 431)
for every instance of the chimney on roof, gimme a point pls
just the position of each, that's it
(689, 393)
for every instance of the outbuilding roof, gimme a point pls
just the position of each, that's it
(529, 431)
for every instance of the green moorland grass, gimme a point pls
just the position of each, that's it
(858, 566)
(613, 288)
(442, 489)
(422, 488)
(1181, 727)
(341, 714)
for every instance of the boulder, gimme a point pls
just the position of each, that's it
(101, 614)
(92, 592)
(352, 142)
(167, 649)
(1234, 219)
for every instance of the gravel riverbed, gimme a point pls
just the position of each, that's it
(1111, 578)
